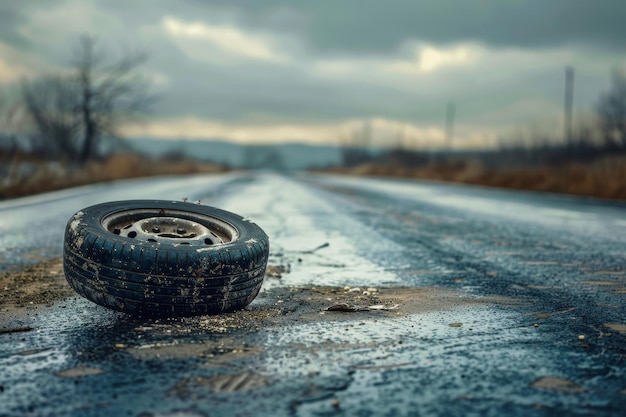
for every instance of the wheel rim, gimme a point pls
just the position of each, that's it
(170, 226)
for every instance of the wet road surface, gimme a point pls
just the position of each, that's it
(522, 310)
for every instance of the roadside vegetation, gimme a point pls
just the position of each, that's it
(62, 130)
(30, 174)
(589, 160)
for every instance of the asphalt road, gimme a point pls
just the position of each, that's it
(510, 303)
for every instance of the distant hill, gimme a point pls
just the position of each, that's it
(291, 156)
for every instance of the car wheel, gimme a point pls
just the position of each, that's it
(164, 258)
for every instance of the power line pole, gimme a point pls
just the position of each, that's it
(569, 101)
(450, 111)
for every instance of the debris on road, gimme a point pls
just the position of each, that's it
(219, 383)
(322, 246)
(277, 271)
(224, 350)
(341, 307)
(79, 371)
(557, 384)
(618, 327)
(15, 329)
(33, 351)
(348, 308)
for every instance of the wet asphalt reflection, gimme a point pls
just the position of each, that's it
(524, 315)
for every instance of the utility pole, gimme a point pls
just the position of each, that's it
(367, 135)
(569, 101)
(450, 110)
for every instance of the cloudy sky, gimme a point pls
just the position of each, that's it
(317, 71)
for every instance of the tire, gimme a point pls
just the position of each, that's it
(164, 258)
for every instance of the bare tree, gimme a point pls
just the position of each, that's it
(612, 111)
(12, 125)
(109, 93)
(76, 111)
(51, 104)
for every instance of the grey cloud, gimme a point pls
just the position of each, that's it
(373, 26)
(252, 92)
(381, 25)
(10, 20)
(239, 93)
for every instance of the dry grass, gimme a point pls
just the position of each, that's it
(117, 167)
(604, 178)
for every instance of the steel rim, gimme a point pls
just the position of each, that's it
(170, 226)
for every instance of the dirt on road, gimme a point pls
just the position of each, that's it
(43, 284)
(39, 284)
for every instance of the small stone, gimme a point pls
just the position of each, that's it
(335, 403)
(355, 289)
(372, 289)
(536, 324)
(120, 346)
(581, 337)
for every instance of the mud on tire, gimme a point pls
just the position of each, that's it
(164, 258)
